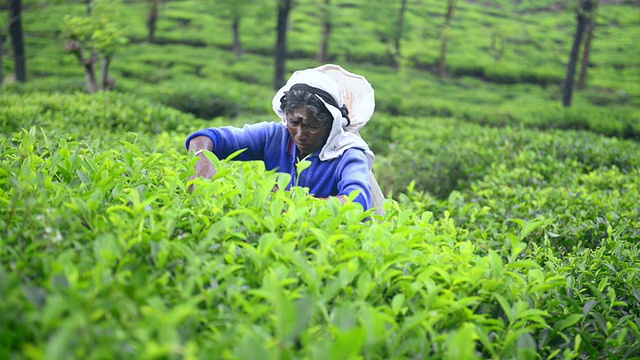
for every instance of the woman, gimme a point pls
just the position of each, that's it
(315, 126)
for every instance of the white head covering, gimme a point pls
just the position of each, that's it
(341, 85)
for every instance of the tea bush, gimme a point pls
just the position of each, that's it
(82, 113)
(583, 187)
(583, 181)
(105, 254)
(498, 242)
(445, 154)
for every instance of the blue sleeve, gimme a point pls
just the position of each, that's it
(228, 139)
(353, 175)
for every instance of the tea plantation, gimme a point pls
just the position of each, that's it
(512, 226)
(106, 254)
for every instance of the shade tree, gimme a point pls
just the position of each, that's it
(584, 12)
(2, 27)
(95, 38)
(390, 23)
(586, 53)
(282, 23)
(17, 39)
(327, 11)
(236, 10)
(152, 19)
(445, 37)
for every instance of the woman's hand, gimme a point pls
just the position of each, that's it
(204, 167)
(341, 198)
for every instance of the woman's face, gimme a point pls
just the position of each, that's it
(307, 132)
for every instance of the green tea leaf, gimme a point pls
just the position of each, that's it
(133, 148)
(348, 343)
(35, 294)
(251, 348)
(526, 347)
(570, 320)
(58, 346)
(462, 344)
(397, 303)
(588, 306)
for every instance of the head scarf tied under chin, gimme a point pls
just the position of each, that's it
(343, 134)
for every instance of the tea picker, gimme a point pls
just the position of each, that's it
(322, 110)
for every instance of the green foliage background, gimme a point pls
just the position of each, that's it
(512, 223)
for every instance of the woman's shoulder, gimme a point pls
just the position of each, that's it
(272, 132)
(354, 153)
(351, 157)
(265, 126)
(270, 129)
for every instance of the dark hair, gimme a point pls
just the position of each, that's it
(296, 98)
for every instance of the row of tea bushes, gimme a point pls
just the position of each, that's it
(585, 182)
(580, 190)
(105, 254)
(445, 154)
(82, 113)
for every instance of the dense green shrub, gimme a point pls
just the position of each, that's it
(105, 254)
(499, 242)
(51, 84)
(202, 102)
(82, 113)
(584, 182)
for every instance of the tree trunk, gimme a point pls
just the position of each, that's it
(17, 39)
(399, 32)
(442, 64)
(583, 15)
(237, 44)
(1, 64)
(89, 7)
(284, 8)
(106, 82)
(88, 65)
(90, 77)
(89, 73)
(326, 32)
(153, 20)
(586, 53)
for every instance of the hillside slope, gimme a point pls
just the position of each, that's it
(192, 68)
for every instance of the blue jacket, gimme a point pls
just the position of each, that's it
(271, 143)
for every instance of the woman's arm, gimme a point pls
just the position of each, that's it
(353, 175)
(252, 138)
(204, 166)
